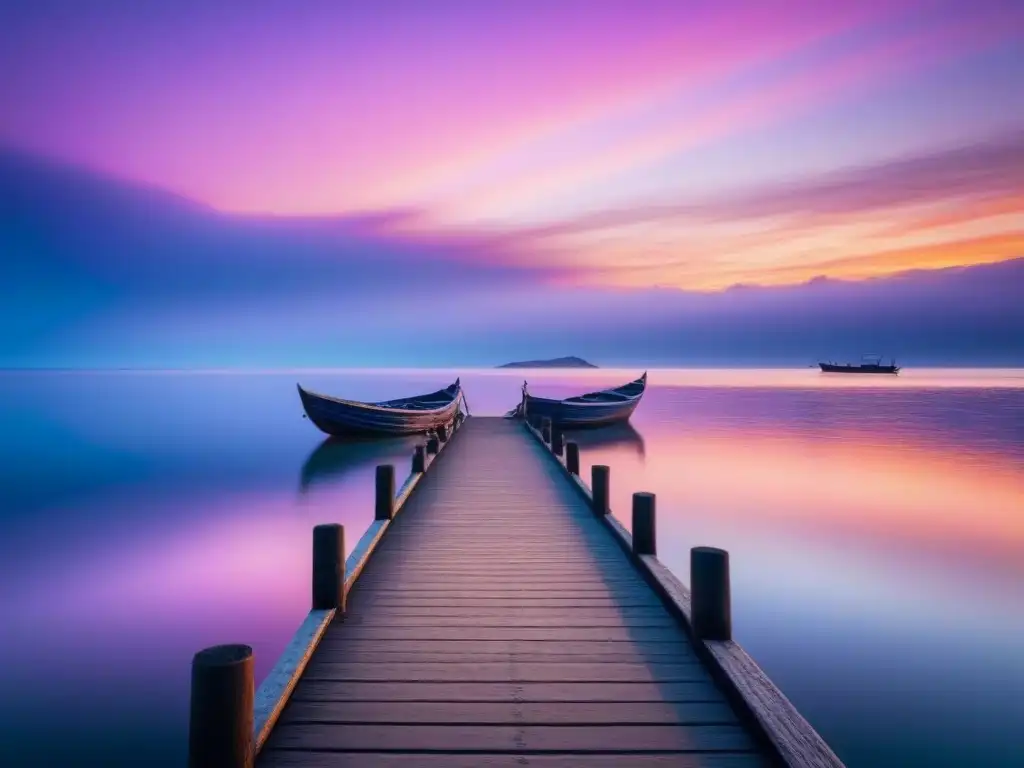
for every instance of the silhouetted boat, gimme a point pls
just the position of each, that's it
(869, 364)
(594, 409)
(404, 416)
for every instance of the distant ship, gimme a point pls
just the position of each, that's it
(869, 364)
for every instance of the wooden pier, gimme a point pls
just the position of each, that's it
(497, 614)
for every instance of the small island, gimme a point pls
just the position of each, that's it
(555, 362)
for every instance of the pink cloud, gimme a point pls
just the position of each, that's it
(344, 107)
(755, 108)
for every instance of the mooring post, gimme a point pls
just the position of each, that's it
(644, 531)
(419, 459)
(545, 430)
(709, 585)
(221, 708)
(557, 440)
(442, 433)
(572, 458)
(599, 482)
(384, 508)
(433, 445)
(329, 567)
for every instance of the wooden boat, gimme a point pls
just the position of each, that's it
(405, 416)
(594, 409)
(869, 364)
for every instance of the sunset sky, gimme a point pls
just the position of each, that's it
(590, 146)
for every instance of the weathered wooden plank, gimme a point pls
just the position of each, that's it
(511, 583)
(471, 589)
(509, 671)
(554, 634)
(499, 602)
(322, 690)
(523, 610)
(525, 575)
(797, 742)
(523, 738)
(556, 655)
(522, 575)
(478, 562)
(302, 759)
(512, 713)
(339, 643)
(531, 620)
(272, 695)
(497, 597)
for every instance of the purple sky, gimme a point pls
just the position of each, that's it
(460, 160)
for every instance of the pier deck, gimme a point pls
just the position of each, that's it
(498, 616)
(503, 619)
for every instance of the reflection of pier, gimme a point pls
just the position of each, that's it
(496, 612)
(614, 435)
(336, 456)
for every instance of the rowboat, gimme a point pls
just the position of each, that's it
(404, 416)
(594, 409)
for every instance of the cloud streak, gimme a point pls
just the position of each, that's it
(962, 202)
(109, 274)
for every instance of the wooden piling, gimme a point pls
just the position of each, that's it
(221, 709)
(419, 459)
(545, 430)
(572, 458)
(384, 507)
(644, 530)
(433, 445)
(442, 433)
(599, 485)
(709, 585)
(329, 567)
(557, 440)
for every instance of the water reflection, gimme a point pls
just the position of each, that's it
(335, 457)
(877, 552)
(613, 436)
(876, 534)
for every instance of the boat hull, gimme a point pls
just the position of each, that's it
(832, 368)
(343, 418)
(596, 409)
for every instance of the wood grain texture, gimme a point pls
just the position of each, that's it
(507, 671)
(798, 744)
(306, 759)
(522, 738)
(505, 649)
(320, 690)
(275, 690)
(512, 713)
(499, 616)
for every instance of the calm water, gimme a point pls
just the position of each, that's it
(876, 529)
